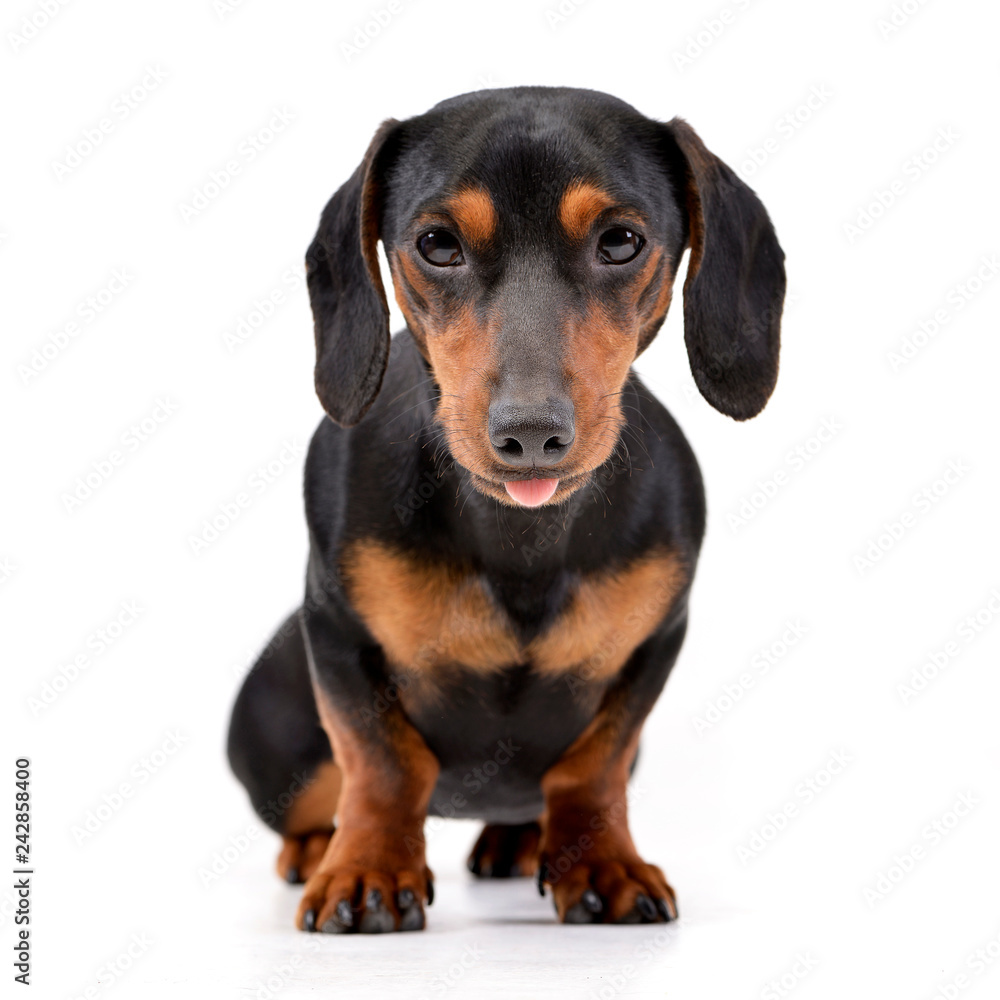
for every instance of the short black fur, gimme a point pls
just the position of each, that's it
(383, 445)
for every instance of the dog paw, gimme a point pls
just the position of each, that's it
(506, 851)
(352, 893)
(301, 856)
(608, 891)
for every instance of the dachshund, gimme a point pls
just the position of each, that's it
(504, 523)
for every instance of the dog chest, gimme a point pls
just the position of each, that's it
(429, 615)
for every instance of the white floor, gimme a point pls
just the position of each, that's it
(793, 919)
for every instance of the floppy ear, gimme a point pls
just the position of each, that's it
(735, 283)
(348, 301)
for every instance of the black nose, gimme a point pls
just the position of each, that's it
(526, 436)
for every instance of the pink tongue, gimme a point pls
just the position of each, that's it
(532, 492)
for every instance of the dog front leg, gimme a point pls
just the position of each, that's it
(374, 875)
(587, 854)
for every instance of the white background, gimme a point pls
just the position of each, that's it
(701, 793)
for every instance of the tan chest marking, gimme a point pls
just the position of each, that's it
(608, 616)
(426, 615)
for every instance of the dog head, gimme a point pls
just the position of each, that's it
(533, 236)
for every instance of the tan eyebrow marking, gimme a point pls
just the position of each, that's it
(472, 208)
(582, 202)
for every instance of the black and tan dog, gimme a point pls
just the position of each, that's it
(504, 523)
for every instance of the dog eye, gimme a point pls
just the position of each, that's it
(619, 245)
(440, 248)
